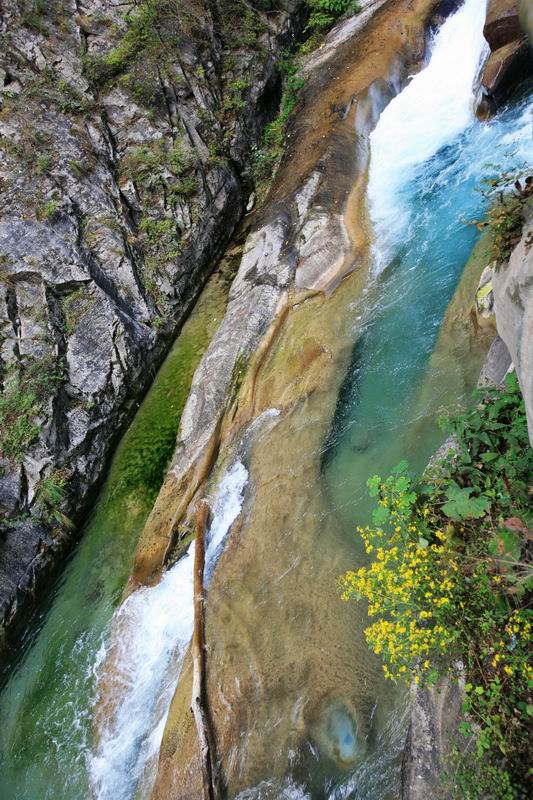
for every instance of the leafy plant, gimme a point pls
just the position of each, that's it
(461, 505)
(49, 209)
(268, 155)
(325, 12)
(450, 581)
(509, 195)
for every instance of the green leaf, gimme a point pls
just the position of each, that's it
(488, 456)
(380, 515)
(461, 506)
(422, 542)
(373, 485)
(401, 467)
(402, 484)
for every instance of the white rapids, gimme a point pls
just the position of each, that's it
(431, 111)
(154, 626)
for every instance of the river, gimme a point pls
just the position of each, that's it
(424, 184)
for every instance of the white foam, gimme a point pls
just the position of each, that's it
(153, 628)
(432, 110)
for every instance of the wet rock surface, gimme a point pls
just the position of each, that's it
(510, 60)
(308, 237)
(122, 176)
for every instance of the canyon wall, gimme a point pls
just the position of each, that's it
(126, 141)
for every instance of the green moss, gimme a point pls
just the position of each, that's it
(25, 393)
(142, 458)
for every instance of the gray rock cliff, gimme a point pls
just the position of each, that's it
(126, 134)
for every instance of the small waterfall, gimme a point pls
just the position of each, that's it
(151, 632)
(432, 110)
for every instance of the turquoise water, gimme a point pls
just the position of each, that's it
(381, 417)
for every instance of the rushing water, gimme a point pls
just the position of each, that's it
(423, 188)
(151, 631)
(429, 156)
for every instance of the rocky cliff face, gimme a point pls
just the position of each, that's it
(513, 303)
(126, 132)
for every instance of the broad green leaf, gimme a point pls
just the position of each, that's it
(373, 485)
(461, 505)
(403, 483)
(380, 515)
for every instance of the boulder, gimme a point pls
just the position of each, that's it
(510, 60)
(504, 70)
(525, 13)
(502, 24)
(484, 303)
(513, 301)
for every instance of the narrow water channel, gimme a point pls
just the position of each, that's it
(422, 189)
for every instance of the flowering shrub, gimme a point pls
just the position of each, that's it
(449, 582)
(409, 588)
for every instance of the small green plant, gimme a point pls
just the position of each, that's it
(268, 155)
(50, 496)
(36, 14)
(159, 164)
(75, 306)
(43, 164)
(505, 219)
(323, 14)
(509, 196)
(153, 36)
(234, 100)
(450, 580)
(48, 209)
(78, 168)
(25, 392)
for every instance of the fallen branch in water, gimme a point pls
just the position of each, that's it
(199, 694)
